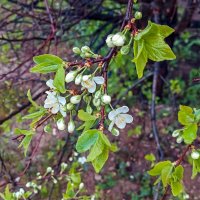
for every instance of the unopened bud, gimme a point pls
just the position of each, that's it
(70, 76)
(75, 99)
(85, 49)
(76, 50)
(71, 126)
(138, 15)
(78, 79)
(109, 41)
(61, 124)
(195, 155)
(106, 99)
(118, 39)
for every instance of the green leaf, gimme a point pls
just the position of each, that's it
(150, 44)
(86, 125)
(96, 150)
(177, 188)
(179, 170)
(166, 174)
(47, 58)
(24, 132)
(59, 80)
(185, 115)
(140, 59)
(195, 167)
(150, 157)
(31, 100)
(105, 139)
(158, 168)
(25, 143)
(99, 162)
(86, 140)
(84, 116)
(190, 133)
(37, 114)
(44, 68)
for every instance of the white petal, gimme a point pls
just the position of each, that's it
(88, 83)
(123, 109)
(55, 108)
(63, 113)
(92, 89)
(128, 118)
(46, 105)
(111, 115)
(120, 121)
(99, 80)
(49, 83)
(62, 100)
(86, 77)
(111, 125)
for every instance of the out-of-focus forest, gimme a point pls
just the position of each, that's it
(32, 27)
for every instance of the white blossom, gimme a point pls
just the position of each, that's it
(82, 160)
(89, 82)
(119, 117)
(81, 185)
(55, 103)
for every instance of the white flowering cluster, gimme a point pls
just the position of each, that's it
(19, 194)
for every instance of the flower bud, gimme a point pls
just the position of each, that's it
(82, 55)
(78, 79)
(61, 124)
(118, 39)
(70, 106)
(176, 133)
(75, 99)
(179, 139)
(76, 50)
(88, 55)
(89, 109)
(49, 169)
(71, 126)
(195, 155)
(81, 185)
(63, 166)
(125, 49)
(106, 99)
(96, 102)
(70, 76)
(109, 41)
(138, 15)
(97, 94)
(115, 132)
(85, 49)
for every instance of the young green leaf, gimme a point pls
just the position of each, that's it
(99, 161)
(37, 114)
(44, 68)
(185, 115)
(150, 44)
(47, 58)
(25, 143)
(86, 140)
(166, 174)
(31, 100)
(96, 150)
(177, 188)
(159, 167)
(190, 133)
(59, 80)
(84, 116)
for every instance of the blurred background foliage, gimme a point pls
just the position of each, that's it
(26, 30)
